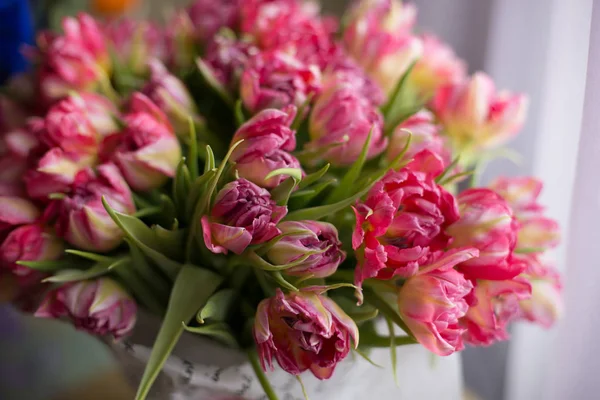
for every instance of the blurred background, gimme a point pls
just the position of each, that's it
(549, 49)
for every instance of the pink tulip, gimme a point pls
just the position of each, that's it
(487, 223)
(135, 42)
(343, 69)
(76, 60)
(303, 331)
(432, 302)
(100, 307)
(255, 167)
(495, 305)
(55, 172)
(243, 214)
(171, 96)
(402, 220)
(275, 79)
(147, 151)
(423, 133)
(316, 236)
(80, 216)
(208, 17)
(437, 67)
(476, 117)
(538, 232)
(17, 150)
(30, 242)
(341, 120)
(378, 37)
(16, 211)
(180, 43)
(545, 306)
(521, 193)
(228, 58)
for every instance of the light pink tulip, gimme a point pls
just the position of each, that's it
(316, 236)
(341, 120)
(343, 69)
(432, 302)
(80, 216)
(147, 151)
(243, 214)
(303, 331)
(16, 211)
(476, 117)
(437, 67)
(494, 305)
(275, 79)
(487, 223)
(378, 37)
(402, 220)
(100, 307)
(521, 193)
(228, 58)
(54, 172)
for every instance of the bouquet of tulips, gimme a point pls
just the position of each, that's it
(272, 178)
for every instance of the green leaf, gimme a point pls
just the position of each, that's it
(46, 266)
(367, 358)
(362, 313)
(217, 307)
(168, 210)
(295, 173)
(455, 177)
(192, 289)
(99, 269)
(283, 282)
(387, 310)
(396, 96)
(89, 256)
(146, 240)
(351, 177)
(314, 177)
(301, 198)
(147, 212)
(218, 331)
(301, 113)
(240, 118)
(181, 184)
(141, 290)
(447, 170)
(144, 269)
(196, 190)
(316, 213)
(173, 240)
(281, 194)
(393, 352)
(210, 159)
(193, 151)
(213, 82)
(529, 250)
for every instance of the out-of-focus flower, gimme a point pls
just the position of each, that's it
(432, 302)
(403, 219)
(437, 67)
(308, 237)
(16, 211)
(31, 242)
(476, 117)
(228, 58)
(243, 214)
(423, 133)
(487, 223)
(17, 149)
(495, 304)
(81, 218)
(100, 307)
(180, 41)
(209, 16)
(344, 69)
(545, 306)
(77, 60)
(54, 172)
(146, 151)
(12, 115)
(267, 140)
(170, 94)
(135, 42)
(275, 79)
(303, 331)
(521, 193)
(341, 121)
(378, 37)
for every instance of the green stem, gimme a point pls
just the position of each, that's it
(262, 281)
(384, 341)
(260, 374)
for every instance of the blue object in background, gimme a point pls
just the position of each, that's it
(16, 30)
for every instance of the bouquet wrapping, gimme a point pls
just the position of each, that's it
(273, 180)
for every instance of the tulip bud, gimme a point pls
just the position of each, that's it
(378, 37)
(243, 214)
(171, 96)
(208, 17)
(303, 331)
(180, 41)
(81, 218)
(16, 211)
(423, 133)
(77, 60)
(100, 307)
(319, 238)
(495, 305)
(432, 303)
(545, 306)
(437, 67)
(29, 243)
(147, 151)
(477, 118)
(341, 120)
(228, 58)
(275, 79)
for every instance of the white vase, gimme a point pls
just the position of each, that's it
(200, 369)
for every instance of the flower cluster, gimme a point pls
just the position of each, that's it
(263, 168)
